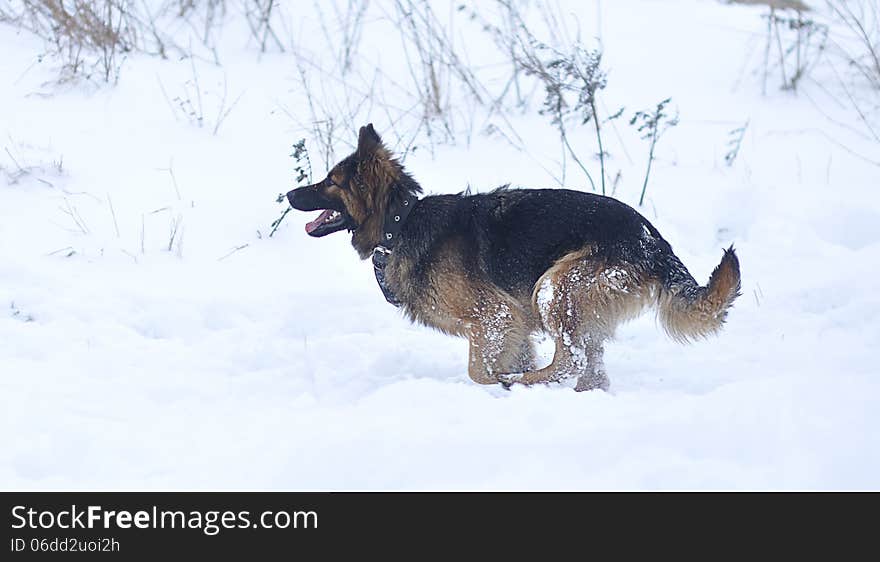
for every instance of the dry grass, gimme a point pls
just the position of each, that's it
(775, 4)
(91, 37)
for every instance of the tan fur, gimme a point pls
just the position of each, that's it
(687, 319)
(586, 290)
(369, 193)
(496, 324)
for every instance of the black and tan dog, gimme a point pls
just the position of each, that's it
(495, 267)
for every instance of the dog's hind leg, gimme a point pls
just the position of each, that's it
(591, 375)
(580, 301)
(575, 356)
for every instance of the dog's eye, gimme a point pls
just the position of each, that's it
(331, 181)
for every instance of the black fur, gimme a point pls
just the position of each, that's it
(513, 236)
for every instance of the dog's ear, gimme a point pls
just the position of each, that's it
(368, 141)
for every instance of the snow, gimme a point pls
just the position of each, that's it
(238, 361)
(545, 295)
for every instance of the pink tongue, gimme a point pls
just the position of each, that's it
(311, 226)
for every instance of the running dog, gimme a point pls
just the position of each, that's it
(495, 267)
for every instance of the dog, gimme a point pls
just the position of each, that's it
(496, 267)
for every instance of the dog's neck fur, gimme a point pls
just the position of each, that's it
(369, 234)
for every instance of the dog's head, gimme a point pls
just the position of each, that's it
(355, 193)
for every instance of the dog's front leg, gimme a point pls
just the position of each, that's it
(481, 361)
(499, 344)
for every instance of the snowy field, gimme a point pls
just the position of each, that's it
(152, 335)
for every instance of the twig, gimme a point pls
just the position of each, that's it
(198, 89)
(599, 138)
(221, 114)
(277, 221)
(14, 161)
(577, 160)
(113, 213)
(237, 248)
(59, 250)
(167, 99)
(71, 211)
(143, 251)
(650, 161)
(767, 49)
(735, 143)
(175, 229)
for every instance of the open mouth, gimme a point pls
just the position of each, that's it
(328, 221)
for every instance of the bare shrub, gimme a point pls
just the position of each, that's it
(325, 113)
(570, 75)
(258, 14)
(438, 72)
(204, 18)
(91, 37)
(858, 46)
(20, 162)
(198, 106)
(651, 125)
(347, 24)
(797, 41)
(435, 100)
(839, 42)
(862, 20)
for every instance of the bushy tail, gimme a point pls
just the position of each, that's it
(689, 311)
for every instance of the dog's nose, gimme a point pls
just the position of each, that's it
(291, 196)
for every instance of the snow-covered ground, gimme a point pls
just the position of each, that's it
(238, 361)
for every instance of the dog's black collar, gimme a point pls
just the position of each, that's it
(395, 217)
(380, 260)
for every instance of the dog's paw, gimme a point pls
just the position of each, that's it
(508, 379)
(588, 383)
